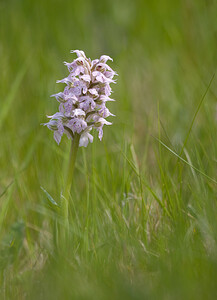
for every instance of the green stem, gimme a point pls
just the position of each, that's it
(68, 179)
(71, 165)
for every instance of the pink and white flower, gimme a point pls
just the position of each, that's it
(83, 101)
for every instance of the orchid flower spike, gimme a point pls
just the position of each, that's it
(83, 102)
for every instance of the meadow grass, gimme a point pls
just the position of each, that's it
(142, 214)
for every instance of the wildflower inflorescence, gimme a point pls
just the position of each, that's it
(83, 101)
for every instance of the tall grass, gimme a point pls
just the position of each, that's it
(142, 220)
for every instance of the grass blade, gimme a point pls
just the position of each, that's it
(195, 114)
(5, 108)
(187, 163)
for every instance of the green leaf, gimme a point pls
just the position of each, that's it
(49, 197)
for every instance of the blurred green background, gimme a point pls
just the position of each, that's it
(143, 223)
